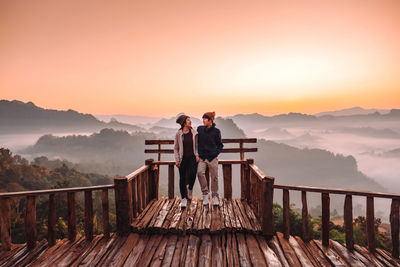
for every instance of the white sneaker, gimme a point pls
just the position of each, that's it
(183, 203)
(215, 201)
(205, 199)
(189, 193)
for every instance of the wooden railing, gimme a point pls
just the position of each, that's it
(348, 214)
(133, 192)
(240, 141)
(30, 213)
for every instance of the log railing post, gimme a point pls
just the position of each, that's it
(30, 222)
(394, 227)
(370, 224)
(105, 214)
(267, 207)
(286, 214)
(71, 216)
(171, 181)
(152, 187)
(51, 227)
(325, 218)
(348, 222)
(5, 223)
(227, 174)
(88, 215)
(304, 217)
(122, 205)
(245, 180)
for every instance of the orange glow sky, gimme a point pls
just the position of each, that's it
(162, 58)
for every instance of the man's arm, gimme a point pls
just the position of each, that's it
(218, 142)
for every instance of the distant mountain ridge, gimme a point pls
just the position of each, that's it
(352, 111)
(20, 117)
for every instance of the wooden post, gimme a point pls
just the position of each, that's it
(159, 153)
(88, 215)
(134, 196)
(370, 224)
(267, 203)
(30, 222)
(171, 181)
(241, 150)
(5, 223)
(394, 227)
(286, 214)
(105, 214)
(122, 205)
(304, 217)
(51, 226)
(325, 218)
(227, 174)
(245, 181)
(71, 216)
(348, 222)
(152, 181)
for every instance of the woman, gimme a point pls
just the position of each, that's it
(186, 156)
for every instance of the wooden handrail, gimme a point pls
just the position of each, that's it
(55, 191)
(224, 140)
(336, 191)
(222, 161)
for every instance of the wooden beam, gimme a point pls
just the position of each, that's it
(325, 218)
(286, 214)
(370, 224)
(122, 205)
(227, 174)
(348, 222)
(171, 181)
(30, 222)
(71, 216)
(267, 207)
(394, 226)
(88, 223)
(105, 213)
(304, 217)
(5, 223)
(51, 226)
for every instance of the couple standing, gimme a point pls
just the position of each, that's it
(194, 151)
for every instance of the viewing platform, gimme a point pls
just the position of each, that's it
(153, 230)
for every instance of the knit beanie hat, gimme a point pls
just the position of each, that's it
(209, 115)
(182, 120)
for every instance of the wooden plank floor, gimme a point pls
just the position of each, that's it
(165, 216)
(222, 249)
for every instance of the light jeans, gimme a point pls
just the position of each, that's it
(201, 172)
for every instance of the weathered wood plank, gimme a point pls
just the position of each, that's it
(88, 215)
(71, 216)
(301, 255)
(325, 218)
(347, 255)
(227, 175)
(5, 223)
(304, 217)
(105, 219)
(136, 253)
(256, 257)
(269, 255)
(317, 253)
(394, 227)
(306, 251)
(30, 222)
(288, 251)
(286, 214)
(330, 254)
(244, 257)
(370, 224)
(192, 251)
(348, 222)
(51, 221)
(171, 181)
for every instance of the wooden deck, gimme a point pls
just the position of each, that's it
(222, 249)
(165, 216)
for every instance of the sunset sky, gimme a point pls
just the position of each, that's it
(165, 57)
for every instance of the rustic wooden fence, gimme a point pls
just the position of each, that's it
(30, 213)
(348, 214)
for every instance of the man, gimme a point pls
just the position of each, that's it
(209, 147)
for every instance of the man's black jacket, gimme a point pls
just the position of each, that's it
(210, 143)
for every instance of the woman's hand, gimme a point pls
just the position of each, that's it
(197, 158)
(178, 164)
